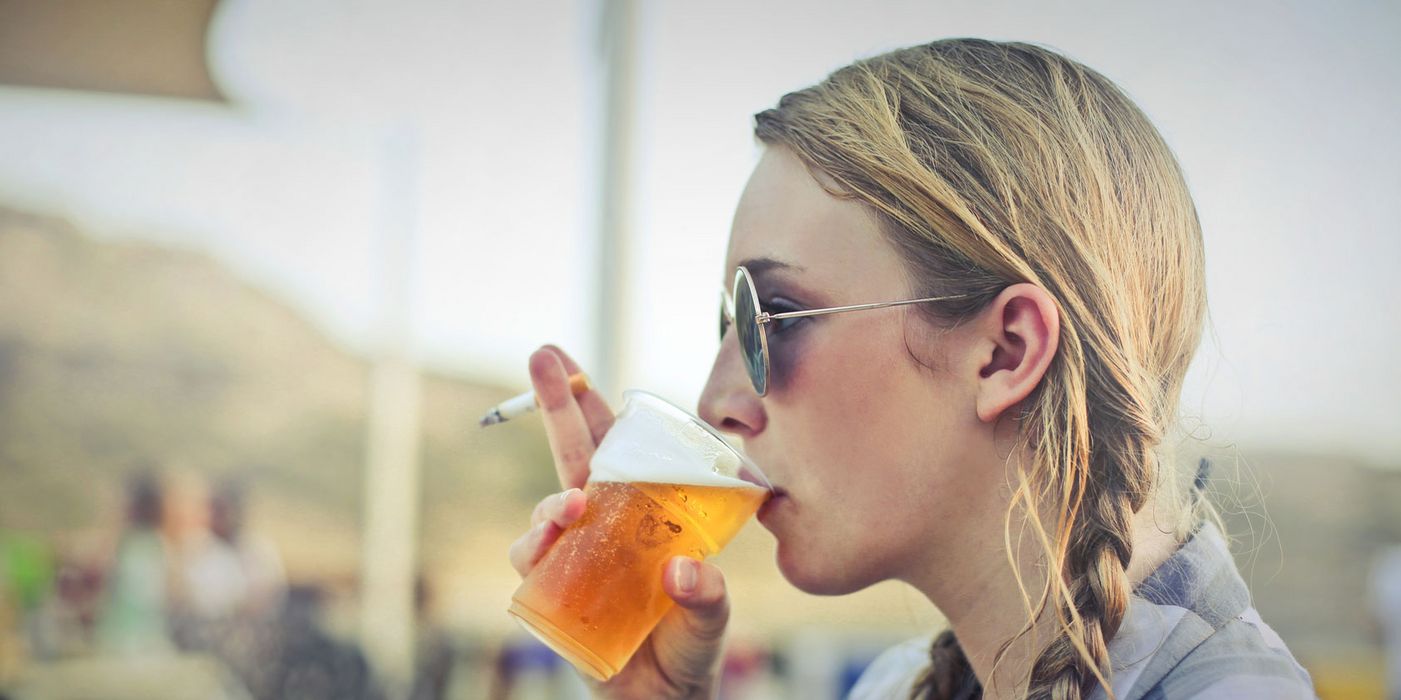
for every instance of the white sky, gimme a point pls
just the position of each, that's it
(1283, 114)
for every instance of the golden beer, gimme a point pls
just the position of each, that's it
(597, 593)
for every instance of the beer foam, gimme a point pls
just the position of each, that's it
(645, 446)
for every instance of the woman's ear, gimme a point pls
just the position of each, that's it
(1017, 337)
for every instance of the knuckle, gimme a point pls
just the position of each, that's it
(709, 627)
(527, 548)
(553, 401)
(538, 514)
(559, 510)
(575, 455)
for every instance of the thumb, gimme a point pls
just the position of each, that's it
(688, 642)
(699, 589)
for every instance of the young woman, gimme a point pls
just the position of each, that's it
(996, 439)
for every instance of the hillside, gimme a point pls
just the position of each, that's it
(117, 356)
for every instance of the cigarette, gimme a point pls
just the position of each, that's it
(525, 403)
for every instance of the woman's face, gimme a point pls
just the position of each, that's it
(875, 453)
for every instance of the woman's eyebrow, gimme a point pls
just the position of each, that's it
(757, 266)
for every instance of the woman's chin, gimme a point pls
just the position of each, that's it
(814, 575)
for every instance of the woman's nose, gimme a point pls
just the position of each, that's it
(729, 402)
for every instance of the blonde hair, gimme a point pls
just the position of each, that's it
(991, 164)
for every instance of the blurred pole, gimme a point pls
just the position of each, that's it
(617, 46)
(1386, 601)
(391, 471)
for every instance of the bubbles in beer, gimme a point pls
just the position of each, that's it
(654, 532)
(600, 585)
(695, 507)
(661, 484)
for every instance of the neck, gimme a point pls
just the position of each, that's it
(986, 608)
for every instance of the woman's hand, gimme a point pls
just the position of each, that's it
(681, 658)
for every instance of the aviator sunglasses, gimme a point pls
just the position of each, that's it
(740, 308)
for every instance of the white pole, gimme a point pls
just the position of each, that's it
(392, 452)
(617, 44)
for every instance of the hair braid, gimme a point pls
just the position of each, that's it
(1111, 478)
(949, 675)
(1099, 589)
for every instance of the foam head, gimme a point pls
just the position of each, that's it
(653, 440)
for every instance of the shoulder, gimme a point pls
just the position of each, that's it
(1191, 632)
(893, 673)
(1242, 658)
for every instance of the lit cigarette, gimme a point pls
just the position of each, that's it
(525, 403)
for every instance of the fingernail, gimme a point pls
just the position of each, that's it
(686, 576)
(564, 497)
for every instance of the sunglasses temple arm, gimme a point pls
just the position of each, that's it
(858, 307)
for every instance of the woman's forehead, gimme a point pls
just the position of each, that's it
(785, 215)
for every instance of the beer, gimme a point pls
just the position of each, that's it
(659, 487)
(599, 586)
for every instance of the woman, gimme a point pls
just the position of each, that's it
(1007, 422)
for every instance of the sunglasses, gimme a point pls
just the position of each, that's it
(740, 308)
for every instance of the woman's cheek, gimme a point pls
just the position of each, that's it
(785, 360)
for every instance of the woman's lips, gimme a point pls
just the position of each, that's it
(776, 500)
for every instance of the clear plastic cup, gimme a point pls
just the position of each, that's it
(662, 483)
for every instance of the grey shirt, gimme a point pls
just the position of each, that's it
(1189, 632)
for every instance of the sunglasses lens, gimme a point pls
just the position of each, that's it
(727, 314)
(750, 344)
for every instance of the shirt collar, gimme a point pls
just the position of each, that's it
(1184, 601)
(1201, 577)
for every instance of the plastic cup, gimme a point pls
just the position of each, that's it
(662, 483)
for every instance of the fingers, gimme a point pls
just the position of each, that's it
(560, 508)
(551, 516)
(699, 588)
(571, 439)
(689, 641)
(596, 411)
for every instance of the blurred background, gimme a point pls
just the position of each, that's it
(264, 264)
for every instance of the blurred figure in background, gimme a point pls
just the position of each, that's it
(230, 583)
(26, 569)
(69, 616)
(300, 660)
(133, 614)
(436, 652)
(264, 581)
(527, 669)
(228, 578)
